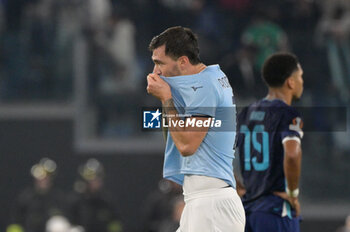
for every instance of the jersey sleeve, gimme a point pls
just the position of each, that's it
(202, 101)
(292, 126)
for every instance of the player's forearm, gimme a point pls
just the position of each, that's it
(240, 187)
(292, 168)
(184, 139)
(170, 111)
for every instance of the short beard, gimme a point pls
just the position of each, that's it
(175, 72)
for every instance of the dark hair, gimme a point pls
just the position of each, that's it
(278, 67)
(179, 41)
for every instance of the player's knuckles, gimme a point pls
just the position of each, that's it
(160, 80)
(151, 88)
(153, 85)
(155, 76)
(150, 84)
(149, 78)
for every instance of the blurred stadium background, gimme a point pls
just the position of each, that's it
(72, 84)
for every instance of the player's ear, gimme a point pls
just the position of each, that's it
(183, 60)
(290, 82)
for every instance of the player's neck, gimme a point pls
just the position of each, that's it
(279, 94)
(194, 69)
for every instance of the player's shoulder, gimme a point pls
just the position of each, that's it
(280, 107)
(290, 118)
(290, 111)
(276, 107)
(212, 73)
(211, 79)
(244, 111)
(213, 69)
(260, 104)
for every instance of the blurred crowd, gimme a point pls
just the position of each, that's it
(39, 40)
(88, 207)
(40, 56)
(45, 207)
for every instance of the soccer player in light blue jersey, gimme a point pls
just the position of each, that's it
(201, 117)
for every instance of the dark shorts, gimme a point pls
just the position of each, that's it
(268, 222)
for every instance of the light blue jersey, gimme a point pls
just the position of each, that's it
(207, 93)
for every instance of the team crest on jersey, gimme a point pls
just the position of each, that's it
(297, 125)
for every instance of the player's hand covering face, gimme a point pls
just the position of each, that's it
(158, 87)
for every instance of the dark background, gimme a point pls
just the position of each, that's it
(73, 80)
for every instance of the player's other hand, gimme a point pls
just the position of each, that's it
(157, 87)
(293, 201)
